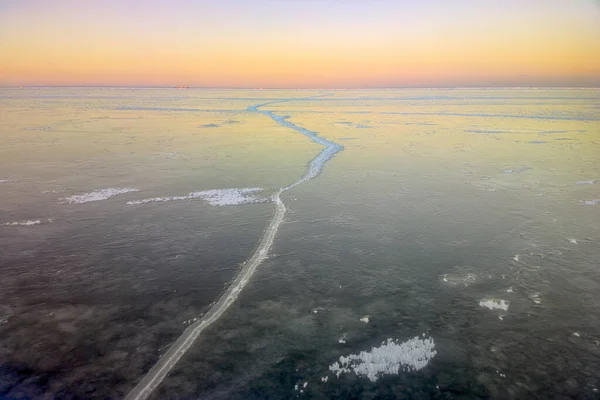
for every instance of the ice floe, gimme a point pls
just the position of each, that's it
(494, 304)
(573, 241)
(28, 222)
(365, 319)
(215, 197)
(97, 195)
(388, 359)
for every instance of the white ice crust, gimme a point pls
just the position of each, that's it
(97, 195)
(388, 359)
(214, 197)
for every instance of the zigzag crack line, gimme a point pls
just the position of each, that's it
(160, 370)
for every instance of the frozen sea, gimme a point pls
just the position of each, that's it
(449, 250)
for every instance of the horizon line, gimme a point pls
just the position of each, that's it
(293, 88)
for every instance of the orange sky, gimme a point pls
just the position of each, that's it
(310, 43)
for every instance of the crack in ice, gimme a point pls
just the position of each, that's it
(158, 372)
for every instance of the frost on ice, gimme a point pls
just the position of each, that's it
(214, 197)
(388, 359)
(96, 195)
(493, 304)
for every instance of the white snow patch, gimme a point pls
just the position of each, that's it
(97, 195)
(341, 341)
(215, 197)
(28, 223)
(365, 319)
(305, 384)
(516, 258)
(576, 334)
(509, 290)
(388, 359)
(594, 202)
(573, 241)
(494, 304)
(324, 379)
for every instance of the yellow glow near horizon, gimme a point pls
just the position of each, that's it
(77, 47)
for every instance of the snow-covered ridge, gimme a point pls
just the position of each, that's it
(388, 359)
(215, 197)
(97, 195)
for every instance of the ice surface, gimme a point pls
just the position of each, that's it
(388, 359)
(227, 197)
(494, 304)
(215, 197)
(97, 195)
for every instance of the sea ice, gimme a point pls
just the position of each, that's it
(388, 359)
(96, 195)
(494, 304)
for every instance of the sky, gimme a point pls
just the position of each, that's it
(300, 43)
